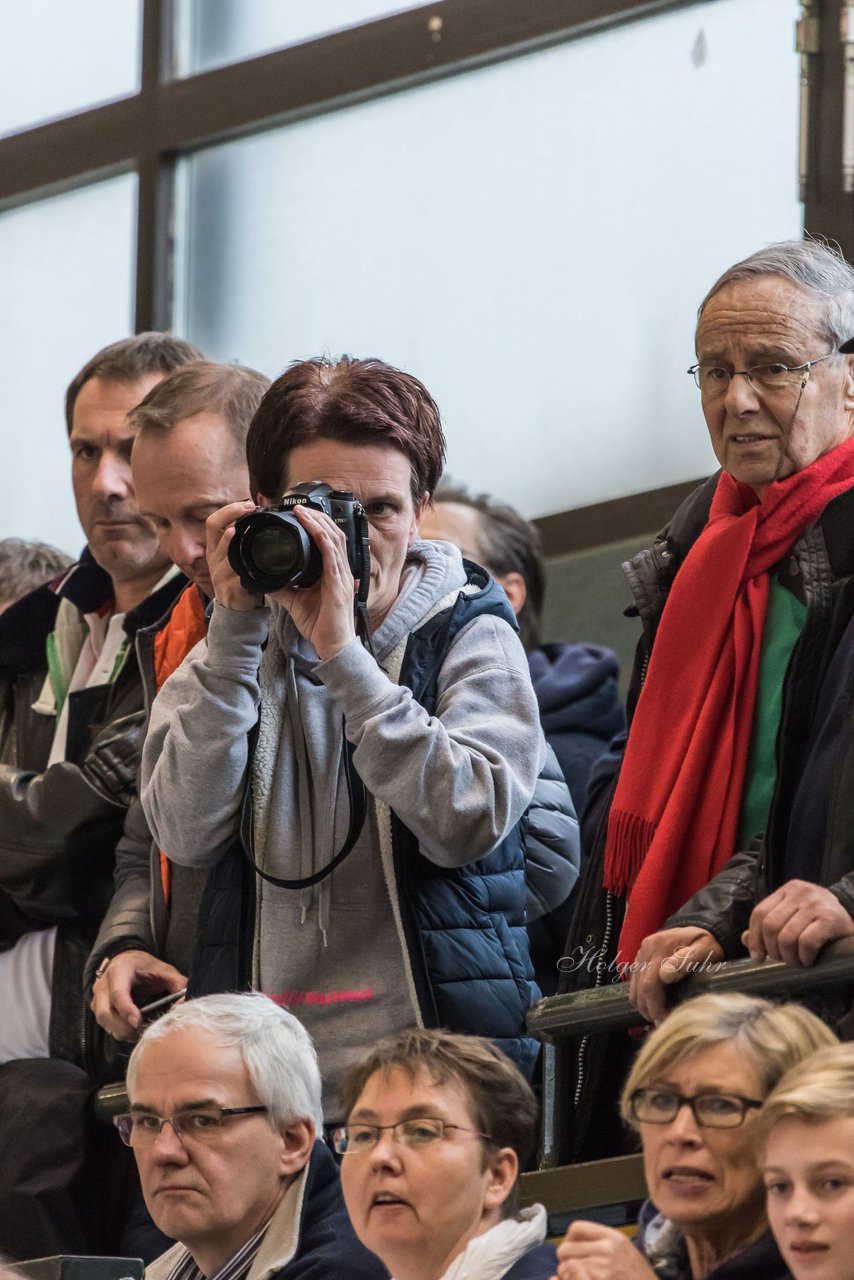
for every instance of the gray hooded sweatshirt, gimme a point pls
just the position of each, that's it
(459, 780)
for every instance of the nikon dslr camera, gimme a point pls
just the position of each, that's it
(271, 549)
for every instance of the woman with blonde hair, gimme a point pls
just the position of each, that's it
(807, 1126)
(693, 1095)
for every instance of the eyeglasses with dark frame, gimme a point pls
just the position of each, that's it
(713, 380)
(710, 1110)
(200, 1124)
(418, 1132)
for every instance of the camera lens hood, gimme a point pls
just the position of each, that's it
(271, 549)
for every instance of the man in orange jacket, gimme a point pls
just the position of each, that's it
(189, 459)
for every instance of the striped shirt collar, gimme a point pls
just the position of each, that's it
(237, 1267)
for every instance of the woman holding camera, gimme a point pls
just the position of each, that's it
(376, 763)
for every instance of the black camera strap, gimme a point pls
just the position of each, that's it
(358, 812)
(363, 625)
(363, 629)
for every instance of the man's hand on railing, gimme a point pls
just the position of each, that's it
(664, 958)
(794, 923)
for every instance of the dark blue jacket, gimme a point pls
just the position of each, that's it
(537, 1264)
(326, 1244)
(760, 1260)
(580, 707)
(580, 712)
(464, 927)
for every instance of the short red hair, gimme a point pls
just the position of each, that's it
(358, 402)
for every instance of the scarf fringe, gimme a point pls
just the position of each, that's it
(632, 837)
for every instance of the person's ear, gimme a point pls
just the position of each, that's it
(849, 382)
(514, 589)
(417, 517)
(502, 1172)
(297, 1141)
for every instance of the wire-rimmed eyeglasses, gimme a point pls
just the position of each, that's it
(201, 1124)
(710, 1110)
(356, 1139)
(714, 379)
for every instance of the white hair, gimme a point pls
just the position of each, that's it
(279, 1055)
(811, 264)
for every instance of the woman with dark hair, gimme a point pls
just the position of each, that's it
(377, 775)
(438, 1127)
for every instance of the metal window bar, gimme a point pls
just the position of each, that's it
(147, 131)
(611, 1190)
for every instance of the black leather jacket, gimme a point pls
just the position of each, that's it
(59, 825)
(136, 918)
(811, 819)
(810, 832)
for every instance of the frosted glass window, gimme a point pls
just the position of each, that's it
(57, 58)
(212, 33)
(67, 269)
(531, 239)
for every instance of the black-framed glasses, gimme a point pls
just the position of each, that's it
(421, 1131)
(200, 1124)
(713, 379)
(710, 1110)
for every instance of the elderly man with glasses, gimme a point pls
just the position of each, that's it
(725, 826)
(224, 1112)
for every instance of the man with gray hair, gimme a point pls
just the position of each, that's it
(223, 1121)
(728, 825)
(27, 565)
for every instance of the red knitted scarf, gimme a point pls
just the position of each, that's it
(675, 813)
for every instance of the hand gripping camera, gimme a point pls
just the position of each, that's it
(271, 549)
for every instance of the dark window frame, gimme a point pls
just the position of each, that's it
(147, 132)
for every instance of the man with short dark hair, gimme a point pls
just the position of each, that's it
(370, 907)
(224, 1116)
(189, 459)
(576, 684)
(71, 725)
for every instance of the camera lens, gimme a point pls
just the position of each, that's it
(270, 549)
(276, 552)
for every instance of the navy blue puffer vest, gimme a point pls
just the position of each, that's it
(464, 927)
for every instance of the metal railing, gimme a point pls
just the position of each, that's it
(560, 1020)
